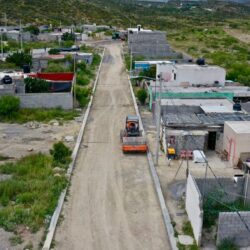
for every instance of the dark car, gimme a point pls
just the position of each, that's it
(7, 80)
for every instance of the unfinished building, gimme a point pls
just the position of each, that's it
(150, 44)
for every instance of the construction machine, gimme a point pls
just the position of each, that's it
(131, 137)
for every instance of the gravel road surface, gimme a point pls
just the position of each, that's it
(111, 203)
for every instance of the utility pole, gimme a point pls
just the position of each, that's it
(5, 20)
(1, 44)
(74, 88)
(158, 121)
(131, 62)
(21, 36)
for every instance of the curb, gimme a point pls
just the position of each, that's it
(164, 210)
(57, 212)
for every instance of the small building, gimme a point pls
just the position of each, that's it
(80, 56)
(236, 141)
(191, 74)
(145, 65)
(193, 126)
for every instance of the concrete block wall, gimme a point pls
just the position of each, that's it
(231, 226)
(186, 142)
(7, 89)
(46, 100)
(194, 208)
(234, 190)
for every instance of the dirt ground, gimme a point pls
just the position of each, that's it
(242, 36)
(174, 187)
(111, 203)
(17, 141)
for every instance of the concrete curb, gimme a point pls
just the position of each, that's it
(165, 212)
(57, 212)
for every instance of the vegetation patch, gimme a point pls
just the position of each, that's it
(11, 112)
(214, 204)
(31, 195)
(227, 244)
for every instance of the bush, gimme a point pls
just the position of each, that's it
(60, 153)
(9, 105)
(68, 36)
(34, 85)
(82, 79)
(54, 51)
(82, 95)
(142, 95)
(227, 244)
(19, 59)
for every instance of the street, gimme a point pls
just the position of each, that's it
(111, 202)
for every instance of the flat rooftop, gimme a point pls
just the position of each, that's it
(236, 90)
(242, 127)
(202, 120)
(197, 102)
(196, 66)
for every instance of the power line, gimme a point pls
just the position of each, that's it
(207, 165)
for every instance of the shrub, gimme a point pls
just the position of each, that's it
(82, 95)
(34, 85)
(54, 51)
(82, 79)
(9, 105)
(142, 95)
(19, 59)
(227, 244)
(60, 153)
(68, 36)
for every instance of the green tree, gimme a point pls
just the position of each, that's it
(19, 59)
(68, 36)
(54, 51)
(34, 85)
(32, 29)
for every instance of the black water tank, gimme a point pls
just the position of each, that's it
(201, 61)
(237, 107)
(26, 69)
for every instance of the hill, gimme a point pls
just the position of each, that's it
(115, 12)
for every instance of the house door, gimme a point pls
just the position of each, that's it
(211, 140)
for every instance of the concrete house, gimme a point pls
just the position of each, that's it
(191, 74)
(236, 141)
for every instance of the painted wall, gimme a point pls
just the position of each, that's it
(194, 209)
(177, 75)
(235, 143)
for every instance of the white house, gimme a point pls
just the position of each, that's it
(191, 74)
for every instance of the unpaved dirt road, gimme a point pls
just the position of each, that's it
(112, 203)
